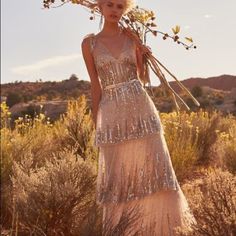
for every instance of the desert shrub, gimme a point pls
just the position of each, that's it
(53, 199)
(6, 171)
(205, 103)
(181, 139)
(200, 139)
(73, 77)
(230, 157)
(5, 116)
(197, 91)
(213, 202)
(207, 136)
(51, 94)
(31, 110)
(76, 93)
(41, 139)
(190, 138)
(13, 98)
(190, 103)
(28, 136)
(5, 164)
(226, 144)
(77, 128)
(219, 101)
(28, 97)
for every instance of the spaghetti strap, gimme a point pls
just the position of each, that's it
(92, 42)
(91, 38)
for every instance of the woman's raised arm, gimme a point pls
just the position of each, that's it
(95, 84)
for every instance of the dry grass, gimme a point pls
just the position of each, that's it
(213, 202)
(198, 140)
(54, 198)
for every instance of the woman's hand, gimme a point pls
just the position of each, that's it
(145, 50)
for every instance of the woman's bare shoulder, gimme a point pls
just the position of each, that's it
(88, 36)
(86, 41)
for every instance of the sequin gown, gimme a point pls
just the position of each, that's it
(136, 183)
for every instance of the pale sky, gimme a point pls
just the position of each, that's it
(46, 44)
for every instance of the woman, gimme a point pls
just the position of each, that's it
(136, 183)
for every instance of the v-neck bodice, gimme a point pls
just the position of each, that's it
(114, 70)
(109, 51)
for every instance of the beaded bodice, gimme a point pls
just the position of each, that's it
(125, 111)
(112, 70)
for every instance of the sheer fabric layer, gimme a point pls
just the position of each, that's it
(157, 214)
(138, 189)
(134, 169)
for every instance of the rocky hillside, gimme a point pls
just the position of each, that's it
(51, 97)
(44, 91)
(222, 82)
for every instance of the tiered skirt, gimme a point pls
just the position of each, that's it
(138, 189)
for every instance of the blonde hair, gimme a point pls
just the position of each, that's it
(129, 4)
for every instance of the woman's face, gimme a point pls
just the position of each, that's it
(113, 10)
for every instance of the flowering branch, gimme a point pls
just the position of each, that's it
(139, 19)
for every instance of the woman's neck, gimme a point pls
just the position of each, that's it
(111, 29)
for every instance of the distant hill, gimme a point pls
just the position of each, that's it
(49, 89)
(27, 97)
(222, 82)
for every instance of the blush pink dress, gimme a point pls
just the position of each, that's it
(136, 183)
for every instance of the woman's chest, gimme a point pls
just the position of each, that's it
(104, 55)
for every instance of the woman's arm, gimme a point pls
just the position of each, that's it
(95, 85)
(141, 51)
(139, 57)
(141, 63)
